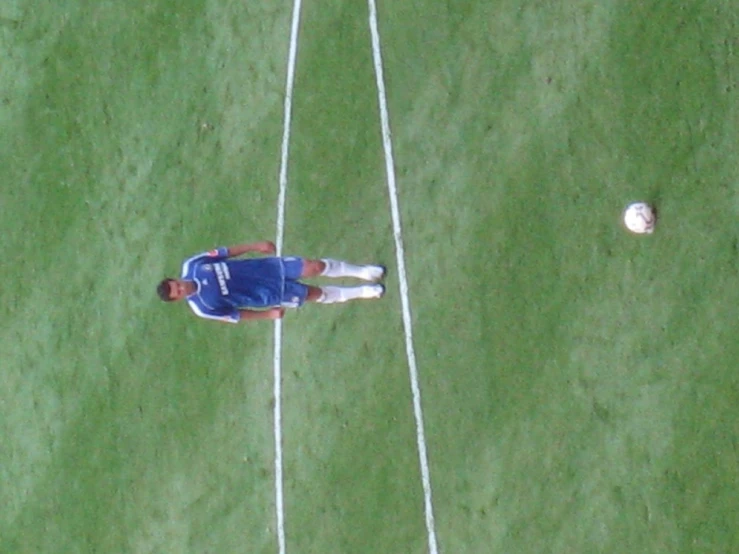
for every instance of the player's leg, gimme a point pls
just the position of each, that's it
(336, 268)
(297, 268)
(333, 295)
(312, 268)
(296, 293)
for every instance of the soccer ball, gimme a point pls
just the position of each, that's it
(639, 218)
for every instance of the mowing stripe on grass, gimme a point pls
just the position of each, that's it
(290, 82)
(400, 255)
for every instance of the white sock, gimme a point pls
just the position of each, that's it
(333, 295)
(337, 268)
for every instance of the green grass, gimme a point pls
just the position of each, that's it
(579, 384)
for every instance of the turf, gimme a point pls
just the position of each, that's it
(579, 384)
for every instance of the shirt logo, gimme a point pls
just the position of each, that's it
(223, 275)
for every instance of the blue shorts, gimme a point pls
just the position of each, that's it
(294, 293)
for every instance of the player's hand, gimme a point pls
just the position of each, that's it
(267, 247)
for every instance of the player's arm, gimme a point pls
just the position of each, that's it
(263, 247)
(250, 315)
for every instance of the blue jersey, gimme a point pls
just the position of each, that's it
(224, 286)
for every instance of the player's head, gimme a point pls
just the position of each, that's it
(164, 289)
(175, 289)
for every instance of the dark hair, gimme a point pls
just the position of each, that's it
(163, 289)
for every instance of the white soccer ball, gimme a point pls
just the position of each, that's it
(640, 218)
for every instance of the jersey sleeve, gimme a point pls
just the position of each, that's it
(214, 255)
(231, 315)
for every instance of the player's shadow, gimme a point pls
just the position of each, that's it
(8, 23)
(655, 200)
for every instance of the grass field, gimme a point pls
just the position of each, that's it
(579, 385)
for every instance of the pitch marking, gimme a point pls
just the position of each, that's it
(405, 302)
(292, 55)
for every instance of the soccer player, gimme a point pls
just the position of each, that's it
(217, 286)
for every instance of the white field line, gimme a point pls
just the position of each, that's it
(292, 55)
(405, 302)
